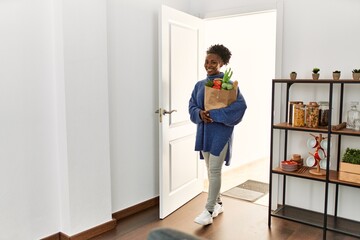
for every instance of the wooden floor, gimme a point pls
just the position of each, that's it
(240, 220)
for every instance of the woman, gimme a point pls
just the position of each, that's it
(214, 130)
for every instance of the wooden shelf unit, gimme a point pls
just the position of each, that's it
(318, 219)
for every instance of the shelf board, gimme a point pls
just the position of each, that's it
(300, 215)
(285, 125)
(343, 225)
(316, 219)
(334, 178)
(344, 131)
(315, 81)
(304, 173)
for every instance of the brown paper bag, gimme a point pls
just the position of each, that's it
(219, 98)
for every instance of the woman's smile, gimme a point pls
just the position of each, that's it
(212, 64)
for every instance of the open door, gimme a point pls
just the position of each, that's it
(181, 47)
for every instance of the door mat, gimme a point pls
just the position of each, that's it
(250, 190)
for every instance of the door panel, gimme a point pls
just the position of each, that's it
(183, 67)
(183, 168)
(181, 172)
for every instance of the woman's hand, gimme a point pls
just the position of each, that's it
(205, 116)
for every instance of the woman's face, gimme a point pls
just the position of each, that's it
(212, 64)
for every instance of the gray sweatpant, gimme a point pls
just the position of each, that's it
(214, 165)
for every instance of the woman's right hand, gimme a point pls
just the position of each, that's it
(205, 116)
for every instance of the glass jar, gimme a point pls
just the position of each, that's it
(298, 119)
(323, 114)
(357, 124)
(312, 115)
(352, 114)
(290, 110)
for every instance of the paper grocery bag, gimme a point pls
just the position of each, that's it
(218, 98)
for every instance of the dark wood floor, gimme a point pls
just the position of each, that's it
(240, 220)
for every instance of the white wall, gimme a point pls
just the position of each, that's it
(57, 127)
(325, 38)
(29, 199)
(209, 9)
(55, 173)
(85, 152)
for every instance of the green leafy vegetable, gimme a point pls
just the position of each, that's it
(352, 155)
(209, 83)
(223, 83)
(227, 75)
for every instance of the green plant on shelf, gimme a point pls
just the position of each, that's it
(356, 70)
(316, 70)
(351, 155)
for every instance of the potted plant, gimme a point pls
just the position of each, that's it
(315, 73)
(350, 166)
(336, 74)
(356, 74)
(293, 75)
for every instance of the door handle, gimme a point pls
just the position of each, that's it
(162, 112)
(168, 112)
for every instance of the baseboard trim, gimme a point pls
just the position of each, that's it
(95, 231)
(87, 234)
(136, 208)
(55, 236)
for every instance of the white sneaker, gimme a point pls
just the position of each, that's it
(219, 208)
(204, 218)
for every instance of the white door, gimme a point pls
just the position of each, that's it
(181, 47)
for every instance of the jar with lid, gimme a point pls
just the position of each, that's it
(298, 118)
(352, 115)
(312, 115)
(290, 110)
(324, 114)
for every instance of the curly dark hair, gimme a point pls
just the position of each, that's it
(220, 50)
